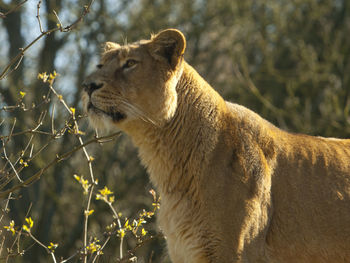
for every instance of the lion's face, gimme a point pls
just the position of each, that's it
(135, 82)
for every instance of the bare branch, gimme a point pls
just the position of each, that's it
(58, 19)
(86, 219)
(58, 159)
(12, 166)
(5, 209)
(52, 119)
(38, 16)
(17, 59)
(86, 10)
(13, 9)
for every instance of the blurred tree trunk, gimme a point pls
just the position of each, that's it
(16, 42)
(10, 91)
(49, 198)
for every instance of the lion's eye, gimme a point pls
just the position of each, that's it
(99, 66)
(129, 63)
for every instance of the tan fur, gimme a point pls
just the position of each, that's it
(234, 187)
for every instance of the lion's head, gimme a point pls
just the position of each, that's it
(136, 82)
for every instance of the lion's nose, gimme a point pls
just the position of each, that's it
(91, 87)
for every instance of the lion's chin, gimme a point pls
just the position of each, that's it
(103, 121)
(116, 116)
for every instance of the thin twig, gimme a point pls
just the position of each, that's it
(58, 159)
(40, 122)
(69, 258)
(86, 10)
(52, 119)
(15, 8)
(17, 240)
(8, 139)
(58, 19)
(20, 55)
(98, 253)
(38, 16)
(30, 131)
(86, 219)
(21, 105)
(25, 149)
(5, 208)
(2, 244)
(11, 131)
(77, 131)
(8, 160)
(31, 151)
(116, 216)
(17, 64)
(42, 245)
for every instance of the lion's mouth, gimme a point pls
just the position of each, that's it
(115, 115)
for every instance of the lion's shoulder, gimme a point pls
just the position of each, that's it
(246, 115)
(249, 122)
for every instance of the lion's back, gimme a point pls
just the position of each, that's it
(310, 191)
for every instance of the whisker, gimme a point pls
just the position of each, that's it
(137, 112)
(113, 100)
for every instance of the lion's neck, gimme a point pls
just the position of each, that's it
(176, 154)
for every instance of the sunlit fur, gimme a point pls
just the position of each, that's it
(234, 187)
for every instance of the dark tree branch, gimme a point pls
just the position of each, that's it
(55, 161)
(13, 9)
(68, 28)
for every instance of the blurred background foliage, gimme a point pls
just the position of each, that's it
(288, 60)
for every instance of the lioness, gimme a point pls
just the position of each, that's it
(234, 187)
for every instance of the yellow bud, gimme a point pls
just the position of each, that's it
(29, 221)
(121, 233)
(90, 212)
(77, 177)
(52, 246)
(11, 227)
(72, 110)
(111, 199)
(43, 76)
(105, 191)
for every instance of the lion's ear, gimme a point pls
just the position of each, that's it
(110, 45)
(169, 44)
